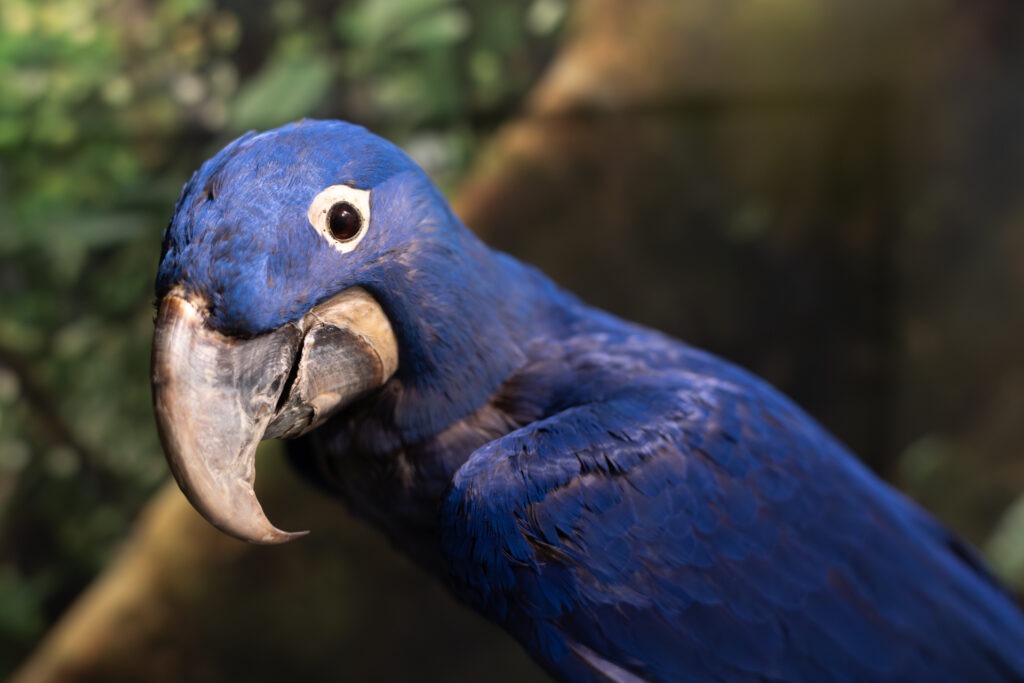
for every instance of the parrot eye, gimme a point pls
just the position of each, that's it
(341, 214)
(344, 221)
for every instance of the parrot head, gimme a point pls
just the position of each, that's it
(304, 269)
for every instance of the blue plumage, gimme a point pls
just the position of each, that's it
(626, 506)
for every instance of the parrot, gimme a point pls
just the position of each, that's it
(626, 506)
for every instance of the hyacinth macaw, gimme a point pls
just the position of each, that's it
(628, 507)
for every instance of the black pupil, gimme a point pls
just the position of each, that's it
(344, 221)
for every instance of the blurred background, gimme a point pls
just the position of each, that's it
(828, 192)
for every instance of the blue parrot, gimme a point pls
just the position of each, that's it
(628, 507)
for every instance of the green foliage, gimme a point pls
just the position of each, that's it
(1006, 546)
(435, 73)
(106, 106)
(305, 76)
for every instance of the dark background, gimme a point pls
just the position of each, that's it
(827, 192)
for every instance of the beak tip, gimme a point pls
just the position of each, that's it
(276, 537)
(236, 512)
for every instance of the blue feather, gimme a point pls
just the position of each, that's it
(626, 506)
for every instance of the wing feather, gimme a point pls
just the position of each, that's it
(710, 532)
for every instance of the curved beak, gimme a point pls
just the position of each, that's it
(216, 397)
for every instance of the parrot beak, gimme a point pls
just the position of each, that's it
(216, 397)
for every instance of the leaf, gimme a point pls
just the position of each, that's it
(288, 88)
(1005, 548)
(372, 24)
(443, 27)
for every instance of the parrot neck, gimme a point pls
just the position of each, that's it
(466, 328)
